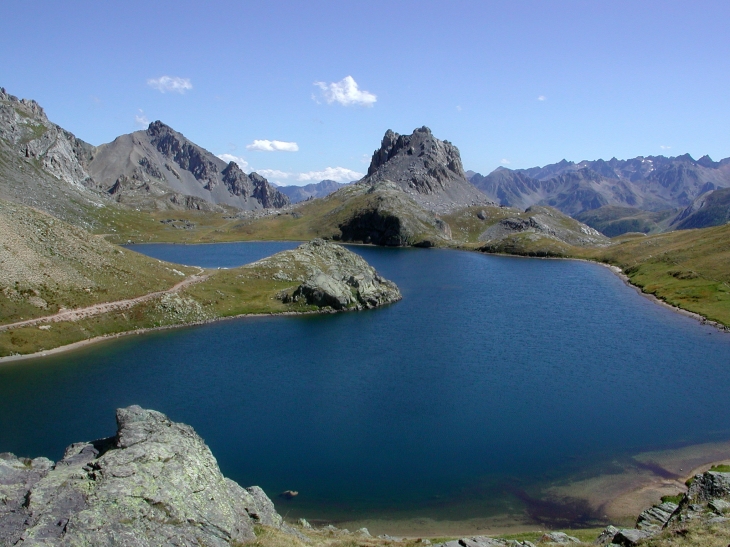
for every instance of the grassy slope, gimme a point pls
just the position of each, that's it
(614, 221)
(46, 264)
(225, 293)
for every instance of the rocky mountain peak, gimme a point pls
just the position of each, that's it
(27, 106)
(427, 168)
(420, 144)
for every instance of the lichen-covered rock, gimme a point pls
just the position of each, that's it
(560, 538)
(606, 536)
(708, 486)
(485, 541)
(154, 483)
(629, 537)
(655, 518)
(330, 276)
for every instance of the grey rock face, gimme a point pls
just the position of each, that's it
(425, 167)
(655, 518)
(606, 537)
(719, 506)
(160, 163)
(332, 276)
(24, 124)
(154, 483)
(43, 165)
(629, 537)
(560, 538)
(391, 217)
(484, 541)
(708, 486)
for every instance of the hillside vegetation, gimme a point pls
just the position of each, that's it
(47, 264)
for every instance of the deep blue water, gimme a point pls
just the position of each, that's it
(490, 371)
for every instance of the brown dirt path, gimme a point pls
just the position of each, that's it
(104, 307)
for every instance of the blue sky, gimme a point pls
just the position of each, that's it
(518, 83)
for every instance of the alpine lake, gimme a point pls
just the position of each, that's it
(493, 379)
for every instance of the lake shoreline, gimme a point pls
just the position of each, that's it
(625, 278)
(82, 343)
(615, 269)
(622, 497)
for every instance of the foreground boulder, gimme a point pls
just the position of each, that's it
(154, 483)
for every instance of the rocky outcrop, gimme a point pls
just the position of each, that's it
(25, 126)
(426, 168)
(160, 164)
(329, 275)
(484, 541)
(43, 165)
(543, 222)
(154, 483)
(656, 517)
(706, 502)
(383, 214)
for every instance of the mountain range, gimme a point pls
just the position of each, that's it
(651, 183)
(46, 166)
(310, 191)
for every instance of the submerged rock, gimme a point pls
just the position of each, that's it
(154, 483)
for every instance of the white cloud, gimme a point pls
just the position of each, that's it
(163, 84)
(338, 174)
(664, 147)
(458, 108)
(242, 163)
(346, 92)
(505, 161)
(273, 146)
(141, 119)
(274, 174)
(542, 98)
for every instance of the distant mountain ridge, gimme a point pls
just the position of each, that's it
(315, 190)
(650, 183)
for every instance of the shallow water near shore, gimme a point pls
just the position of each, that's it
(493, 379)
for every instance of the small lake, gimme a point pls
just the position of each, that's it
(493, 375)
